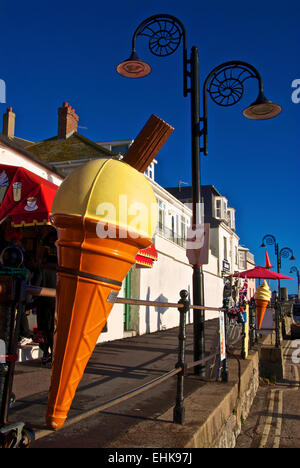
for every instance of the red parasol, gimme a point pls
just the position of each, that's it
(261, 272)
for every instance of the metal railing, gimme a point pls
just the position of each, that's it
(180, 369)
(181, 366)
(171, 235)
(13, 291)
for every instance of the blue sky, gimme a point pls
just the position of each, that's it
(67, 51)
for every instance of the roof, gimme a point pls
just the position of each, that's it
(75, 147)
(15, 144)
(185, 193)
(21, 141)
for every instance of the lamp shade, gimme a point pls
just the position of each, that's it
(133, 67)
(262, 109)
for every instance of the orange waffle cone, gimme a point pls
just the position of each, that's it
(89, 269)
(261, 306)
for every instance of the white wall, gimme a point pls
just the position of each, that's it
(218, 235)
(115, 327)
(163, 282)
(213, 287)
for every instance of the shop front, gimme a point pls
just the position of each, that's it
(25, 206)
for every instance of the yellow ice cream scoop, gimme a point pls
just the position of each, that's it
(263, 292)
(112, 192)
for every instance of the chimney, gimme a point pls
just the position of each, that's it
(9, 123)
(67, 121)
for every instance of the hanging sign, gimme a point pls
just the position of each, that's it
(197, 250)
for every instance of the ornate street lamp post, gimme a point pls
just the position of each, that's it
(295, 270)
(225, 85)
(285, 252)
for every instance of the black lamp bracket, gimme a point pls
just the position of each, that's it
(224, 84)
(270, 240)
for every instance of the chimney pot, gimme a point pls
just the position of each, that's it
(8, 128)
(67, 121)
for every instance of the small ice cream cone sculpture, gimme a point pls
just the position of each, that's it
(104, 213)
(262, 298)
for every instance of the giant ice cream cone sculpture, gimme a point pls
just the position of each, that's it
(262, 298)
(104, 213)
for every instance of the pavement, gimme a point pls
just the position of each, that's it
(115, 368)
(274, 419)
(146, 420)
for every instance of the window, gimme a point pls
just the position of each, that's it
(173, 228)
(177, 225)
(221, 208)
(225, 248)
(231, 218)
(242, 260)
(161, 214)
(218, 208)
(150, 171)
(183, 227)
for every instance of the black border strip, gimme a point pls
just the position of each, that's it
(83, 274)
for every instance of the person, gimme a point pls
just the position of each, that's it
(46, 305)
(26, 336)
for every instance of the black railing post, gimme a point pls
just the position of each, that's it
(277, 323)
(244, 341)
(11, 312)
(251, 325)
(242, 319)
(226, 318)
(179, 411)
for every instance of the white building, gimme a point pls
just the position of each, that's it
(172, 271)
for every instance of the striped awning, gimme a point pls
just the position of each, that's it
(146, 257)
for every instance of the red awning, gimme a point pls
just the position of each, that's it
(145, 257)
(25, 197)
